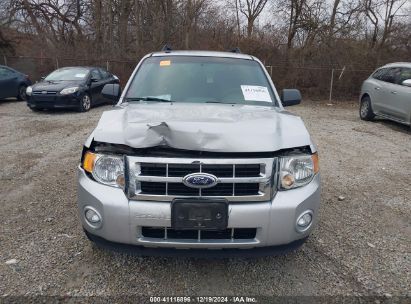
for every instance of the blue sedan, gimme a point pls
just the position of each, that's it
(13, 83)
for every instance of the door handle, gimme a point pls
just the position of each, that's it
(377, 88)
(393, 92)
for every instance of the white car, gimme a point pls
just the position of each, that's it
(387, 93)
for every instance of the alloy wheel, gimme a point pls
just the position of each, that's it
(86, 102)
(364, 108)
(22, 93)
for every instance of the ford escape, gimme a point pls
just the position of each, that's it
(199, 154)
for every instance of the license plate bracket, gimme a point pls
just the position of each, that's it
(188, 214)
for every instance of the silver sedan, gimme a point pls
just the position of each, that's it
(387, 93)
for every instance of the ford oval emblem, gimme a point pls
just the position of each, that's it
(200, 180)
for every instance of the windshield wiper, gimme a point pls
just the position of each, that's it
(148, 98)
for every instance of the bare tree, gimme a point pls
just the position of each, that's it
(391, 8)
(296, 11)
(251, 9)
(237, 21)
(381, 14)
(167, 10)
(192, 9)
(355, 33)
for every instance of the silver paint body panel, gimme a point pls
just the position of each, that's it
(123, 218)
(203, 127)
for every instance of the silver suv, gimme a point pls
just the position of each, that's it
(199, 153)
(387, 93)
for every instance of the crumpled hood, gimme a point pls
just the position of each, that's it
(202, 127)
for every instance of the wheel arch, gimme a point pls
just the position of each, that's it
(365, 95)
(22, 84)
(88, 92)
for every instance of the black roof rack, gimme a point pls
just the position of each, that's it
(235, 50)
(166, 48)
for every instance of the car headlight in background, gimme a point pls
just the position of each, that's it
(297, 170)
(106, 169)
(70, 90)
(29, 90)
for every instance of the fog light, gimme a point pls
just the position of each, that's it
(304, 221)
(93, 218)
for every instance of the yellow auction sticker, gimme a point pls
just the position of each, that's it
(165, 62)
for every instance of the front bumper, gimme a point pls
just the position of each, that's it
(123, 219)
(196, 253)
(54, 101)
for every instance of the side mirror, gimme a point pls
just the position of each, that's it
(111, 91)
(407, 83)
(94, 80)
(290, 97)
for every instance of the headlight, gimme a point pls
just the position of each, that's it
(29, 90)
(106, 169)
(67, 91)
(297, 171)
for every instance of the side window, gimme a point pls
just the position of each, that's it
(404, 75)
(379, 74)
(2, 72)
(105, 74)
(95, 74)
(392, 75)
(5, 73)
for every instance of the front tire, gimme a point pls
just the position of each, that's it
(366, 112)
(85, 103)
(21, 95)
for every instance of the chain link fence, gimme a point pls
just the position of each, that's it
(323, 83)
(314, 82)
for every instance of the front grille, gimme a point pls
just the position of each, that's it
(247, 170)
(198, 235)
(44, 96)
(44, 92)
(154, 169)
(161, 179)
(181, 170)
(153, 188)
(181, 189)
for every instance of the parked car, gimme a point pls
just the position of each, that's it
(13, 83)
(387, 93)
(70, 87)
(199, 153)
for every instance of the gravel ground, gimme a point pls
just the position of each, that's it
(360, 247)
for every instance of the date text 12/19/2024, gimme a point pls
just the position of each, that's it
(203, 299)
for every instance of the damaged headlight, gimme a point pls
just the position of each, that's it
(105, 169)
(297, 170)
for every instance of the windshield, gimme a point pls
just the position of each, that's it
(68, 74)
(201, 80)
